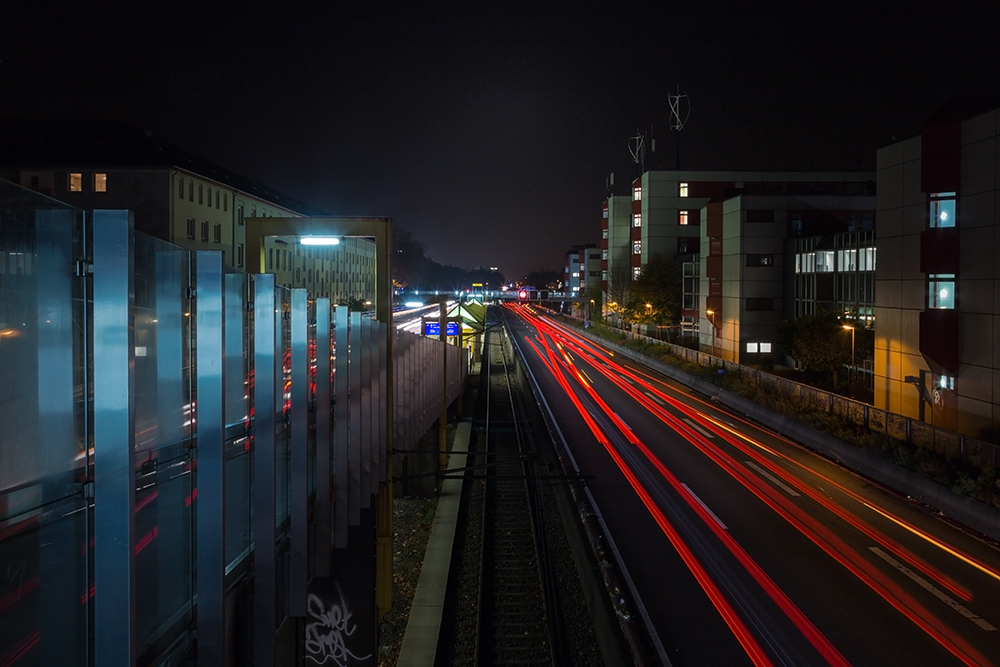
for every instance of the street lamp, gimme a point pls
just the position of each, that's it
(851, 376)
(711, 320)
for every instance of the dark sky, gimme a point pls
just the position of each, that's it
(487, 129)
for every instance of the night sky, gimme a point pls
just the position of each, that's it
(487, 129)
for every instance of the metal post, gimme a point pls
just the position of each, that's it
(211, 482)
(265, 588)
(114, 439)
(324, 446)
(443, 419)
(298, 490)
(340, 428)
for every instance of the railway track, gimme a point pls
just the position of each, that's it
(504, 600)
(517, 608)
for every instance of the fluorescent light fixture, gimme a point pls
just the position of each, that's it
(319, 240)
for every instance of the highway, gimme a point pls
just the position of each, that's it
(748, 549)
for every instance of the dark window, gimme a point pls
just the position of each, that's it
(760, 304)
(190, 228)
(217, 233)
(760, 216)
(760, 260)
(201, 195)
(239, 255)
(204, 230)
(190, 190)
(180, 188)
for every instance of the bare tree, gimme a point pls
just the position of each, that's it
(618, 295)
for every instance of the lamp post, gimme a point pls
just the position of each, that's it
(851, 375)
(711, 320)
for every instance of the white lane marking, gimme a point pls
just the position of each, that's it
(774, 480)
(695, 496)
(623, 421)
(655, 397)
(933, 590)
(690, 422)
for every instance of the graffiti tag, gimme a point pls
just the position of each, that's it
(326, 637)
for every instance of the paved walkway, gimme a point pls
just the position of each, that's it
(421, 638)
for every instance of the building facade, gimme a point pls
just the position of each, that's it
(177, 197)
(938, 317)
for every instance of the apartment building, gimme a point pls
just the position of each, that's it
(177, 197)
(937, 356)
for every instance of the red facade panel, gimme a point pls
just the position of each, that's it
(713, 223)
(939, 250)
(939, 340)
(941, 157)
(713, 267)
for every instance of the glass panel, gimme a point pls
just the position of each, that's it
(941, 291)
(237, 361)
(824, 261)
(163, 544)
(282, 449)
(942, 212)
(44, 589)
(164, 402)
(163, 411)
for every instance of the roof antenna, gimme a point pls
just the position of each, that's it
(637, 146)
(680, 111)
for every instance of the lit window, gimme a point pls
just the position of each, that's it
(576, 274)
(76, 182)
(604, 213)
(637, 193)
(941, 290)
(824, 261)
(866, 259)
(945, 382)
(604, 233)
(682, 217)
(100, 182)
(604, 275)
(765, 348)
(636, 247)
(752, 348)
(637, 219)
(636, 272)
(941, 210)
(682, 189)
(847, 260)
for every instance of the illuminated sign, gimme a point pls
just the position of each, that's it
(434, 329)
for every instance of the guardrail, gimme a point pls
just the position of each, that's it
(951, 445)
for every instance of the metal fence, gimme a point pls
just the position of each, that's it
(162, 417)
(951, 445)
